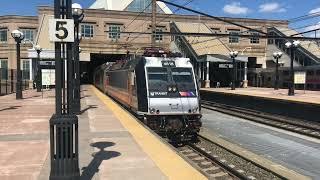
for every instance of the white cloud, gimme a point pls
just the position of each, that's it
(271, 7)
(235, 8)
(315, 10)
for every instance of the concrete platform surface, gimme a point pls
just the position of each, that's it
(112, 144)
(301, 96)
(290, 151)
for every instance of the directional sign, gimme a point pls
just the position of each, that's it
(225, 66)
(61, 30)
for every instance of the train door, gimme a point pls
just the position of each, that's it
(132, 90)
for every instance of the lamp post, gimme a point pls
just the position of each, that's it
(39, 75)
(18, 37)
(233, 55)
(292, 47)
(77, 13)
(277, 56)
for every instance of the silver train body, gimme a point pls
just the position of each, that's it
(162, 91)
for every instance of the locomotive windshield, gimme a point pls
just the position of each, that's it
(156, 74)
(182, 75)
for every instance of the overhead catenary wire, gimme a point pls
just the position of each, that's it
(162, 20)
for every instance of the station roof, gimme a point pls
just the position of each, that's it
(202, 45)
(310, 46)
(219, 58)
(129, 5)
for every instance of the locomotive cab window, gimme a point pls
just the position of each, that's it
(183, 75)
(157, 74)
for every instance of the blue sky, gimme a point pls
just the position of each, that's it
(266, 9)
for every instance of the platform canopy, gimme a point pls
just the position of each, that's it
(130, 5)
(219, 58)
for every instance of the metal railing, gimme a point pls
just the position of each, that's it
(8, 81)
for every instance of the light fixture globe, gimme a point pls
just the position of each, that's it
(288, 44)
(296, 43)
(77, 9)
(277, 55)
(17, 34)
(37, 48)
(234, 54)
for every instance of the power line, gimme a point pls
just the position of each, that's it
(213, 17)
(162, 20)
(304, 17)
(139, 14)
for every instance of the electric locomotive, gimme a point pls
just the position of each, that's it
(160, 87)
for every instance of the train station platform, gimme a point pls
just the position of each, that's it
(112, 144)
(304, 105)
(301, 96)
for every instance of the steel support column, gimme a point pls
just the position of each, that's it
(64, 154)
(19, 74)
(39, 74)
(291, 83)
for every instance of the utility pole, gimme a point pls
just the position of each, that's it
(154, 28)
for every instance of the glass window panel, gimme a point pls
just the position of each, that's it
(114, 31)
(28, 34)
(87, 30)
(3, 35)
(4, 68)
(234, 38)
(255, 39)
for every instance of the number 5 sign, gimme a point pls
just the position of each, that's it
(61, 30)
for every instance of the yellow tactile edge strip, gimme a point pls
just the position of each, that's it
(172, 165)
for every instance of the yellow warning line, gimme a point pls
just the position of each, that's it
(164, 157)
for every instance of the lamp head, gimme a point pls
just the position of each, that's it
(277, 55)
(16, 34)
(234, 54)
(288, 44)
(37, 48)
(77, 9)
(296, 43)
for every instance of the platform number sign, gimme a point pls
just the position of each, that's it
(61, 30)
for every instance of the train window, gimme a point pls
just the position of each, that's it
(286, 73)
(310, 73)
(182, 75)
(157, 74)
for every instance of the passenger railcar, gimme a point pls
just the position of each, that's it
(160, 88)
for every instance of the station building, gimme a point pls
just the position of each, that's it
(113, 29)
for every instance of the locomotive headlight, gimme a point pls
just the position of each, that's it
(194, 110)
(174, 89)
(169, 89)
(152, 110)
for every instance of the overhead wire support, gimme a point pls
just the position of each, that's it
(305, 32)
(213, 17)
(223, 35)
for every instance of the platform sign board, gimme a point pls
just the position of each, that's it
(225, 66)
(300, 77)
(61, 30)
(48, 77)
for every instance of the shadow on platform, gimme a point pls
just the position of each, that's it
(85, 96)
(10, 108)
(93, 167)
(31, 97)
(87, 108)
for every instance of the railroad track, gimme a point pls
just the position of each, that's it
(294, 125)
(217, 162)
